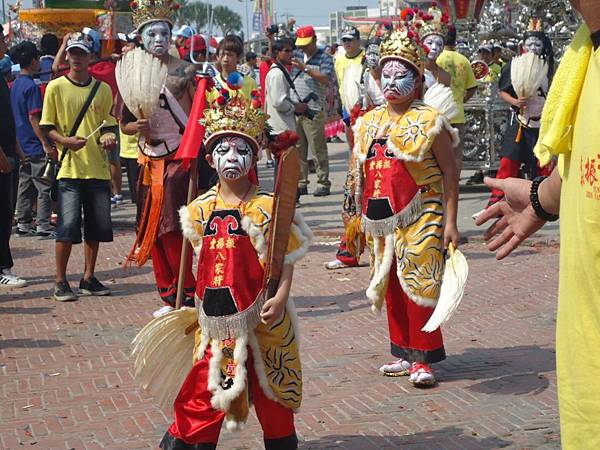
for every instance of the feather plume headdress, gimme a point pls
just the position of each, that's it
(234, 115)
(148, 11)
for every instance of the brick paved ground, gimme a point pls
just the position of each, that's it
(66, 382)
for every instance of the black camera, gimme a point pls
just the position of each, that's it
(273, 29)
(309, 113)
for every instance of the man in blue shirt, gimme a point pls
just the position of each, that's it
(26, 102)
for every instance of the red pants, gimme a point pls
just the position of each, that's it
(166, 255)
(405, 320)
(510, 169)
(198, 423)
(344, 255)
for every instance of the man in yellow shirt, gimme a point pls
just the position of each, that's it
(84, 176)
(463, 86)
(570, 131)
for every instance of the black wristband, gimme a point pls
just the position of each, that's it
(535, 202)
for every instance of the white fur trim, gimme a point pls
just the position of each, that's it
(256, 237)
(187, 227)
(454, 134)
(259, 368)
(304, 234)
(382, 268)
(221, 398)
(214, 366)
(204, 341)
(233, 425)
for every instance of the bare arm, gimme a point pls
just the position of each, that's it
(549, 192)
(72, 143)
(442, 151)
(60, 59)
(274, 307)
(34, 120)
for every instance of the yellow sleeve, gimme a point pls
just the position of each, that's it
(249, 86)
(49, 115)
(191, 218)
(299, 241)
(107, 106)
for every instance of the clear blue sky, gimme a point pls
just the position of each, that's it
(314, 12)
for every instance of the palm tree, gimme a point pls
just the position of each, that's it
(196, 13)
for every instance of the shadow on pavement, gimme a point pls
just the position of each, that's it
(445, 438)
(505, 371)
(19, 310)
(29, 343)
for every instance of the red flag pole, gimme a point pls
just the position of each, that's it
(188, 151)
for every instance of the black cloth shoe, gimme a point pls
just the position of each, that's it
(476, 178)
(322, 191)
(63, 292)
(93, 287)
(302, 190)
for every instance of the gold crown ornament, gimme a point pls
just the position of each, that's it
(405, 44)
(148, 11)
(434, 21)
(234, 115)
(535, 25)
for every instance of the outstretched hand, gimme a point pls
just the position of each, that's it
(515, 218)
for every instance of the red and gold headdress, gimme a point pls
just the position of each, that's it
(234, 115)
(434, 21)
(148, 11)
(404, 42)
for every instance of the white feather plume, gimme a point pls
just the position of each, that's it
(452, 290)
(140, 78)
(163, 355)
(527, 73)
(441, 98)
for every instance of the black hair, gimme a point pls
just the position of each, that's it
(250, 55)
(547, 51)
(280, 44)
(232, 43)
(49, 44)
(24, 53)
(451, 36)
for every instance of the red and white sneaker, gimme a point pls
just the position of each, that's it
(421, 375)
(399, 368)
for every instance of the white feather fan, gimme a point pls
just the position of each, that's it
(140, 78)
(350, 88)
(163, 355)
(453, 288)
(441, 98)
(527, 73)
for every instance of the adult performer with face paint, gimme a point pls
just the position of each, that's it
(163, 180)
(246, 348)
(408, 195)
(517, 147)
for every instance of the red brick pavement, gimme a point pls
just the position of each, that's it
(66, 381)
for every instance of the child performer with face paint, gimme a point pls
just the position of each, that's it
(408, 194)
(163, 181)
(517, 148)
(247, 344)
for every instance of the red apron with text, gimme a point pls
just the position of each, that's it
(230, 277)
(389, 187)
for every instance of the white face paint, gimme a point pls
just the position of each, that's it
(534, 44)
(232, 157)
(398, 81)
(435, 42)
(372, 55)
(156, 37)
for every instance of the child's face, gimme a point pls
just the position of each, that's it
(232, 158)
